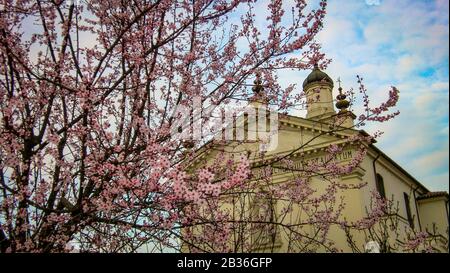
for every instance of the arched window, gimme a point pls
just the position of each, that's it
(380, 186)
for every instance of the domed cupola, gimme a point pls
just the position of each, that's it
(317, 76)
(318, 87)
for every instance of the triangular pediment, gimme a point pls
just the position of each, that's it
(295, 136)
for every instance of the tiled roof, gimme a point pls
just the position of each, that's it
(433, 194)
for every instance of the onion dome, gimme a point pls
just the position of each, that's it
(342, 104)
(317, 75)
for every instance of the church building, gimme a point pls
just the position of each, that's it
(415, 209)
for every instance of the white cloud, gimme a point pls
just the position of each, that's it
(402, 43)
(428, 162)
(373, 2)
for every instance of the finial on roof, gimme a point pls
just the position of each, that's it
(258, 87)
(339, 82)
(258, 90)
(342, 104)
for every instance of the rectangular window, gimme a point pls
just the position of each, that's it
(380, 186)
(408, 210)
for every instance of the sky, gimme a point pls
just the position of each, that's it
(402, 43)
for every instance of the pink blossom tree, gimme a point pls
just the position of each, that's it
(89, 95)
